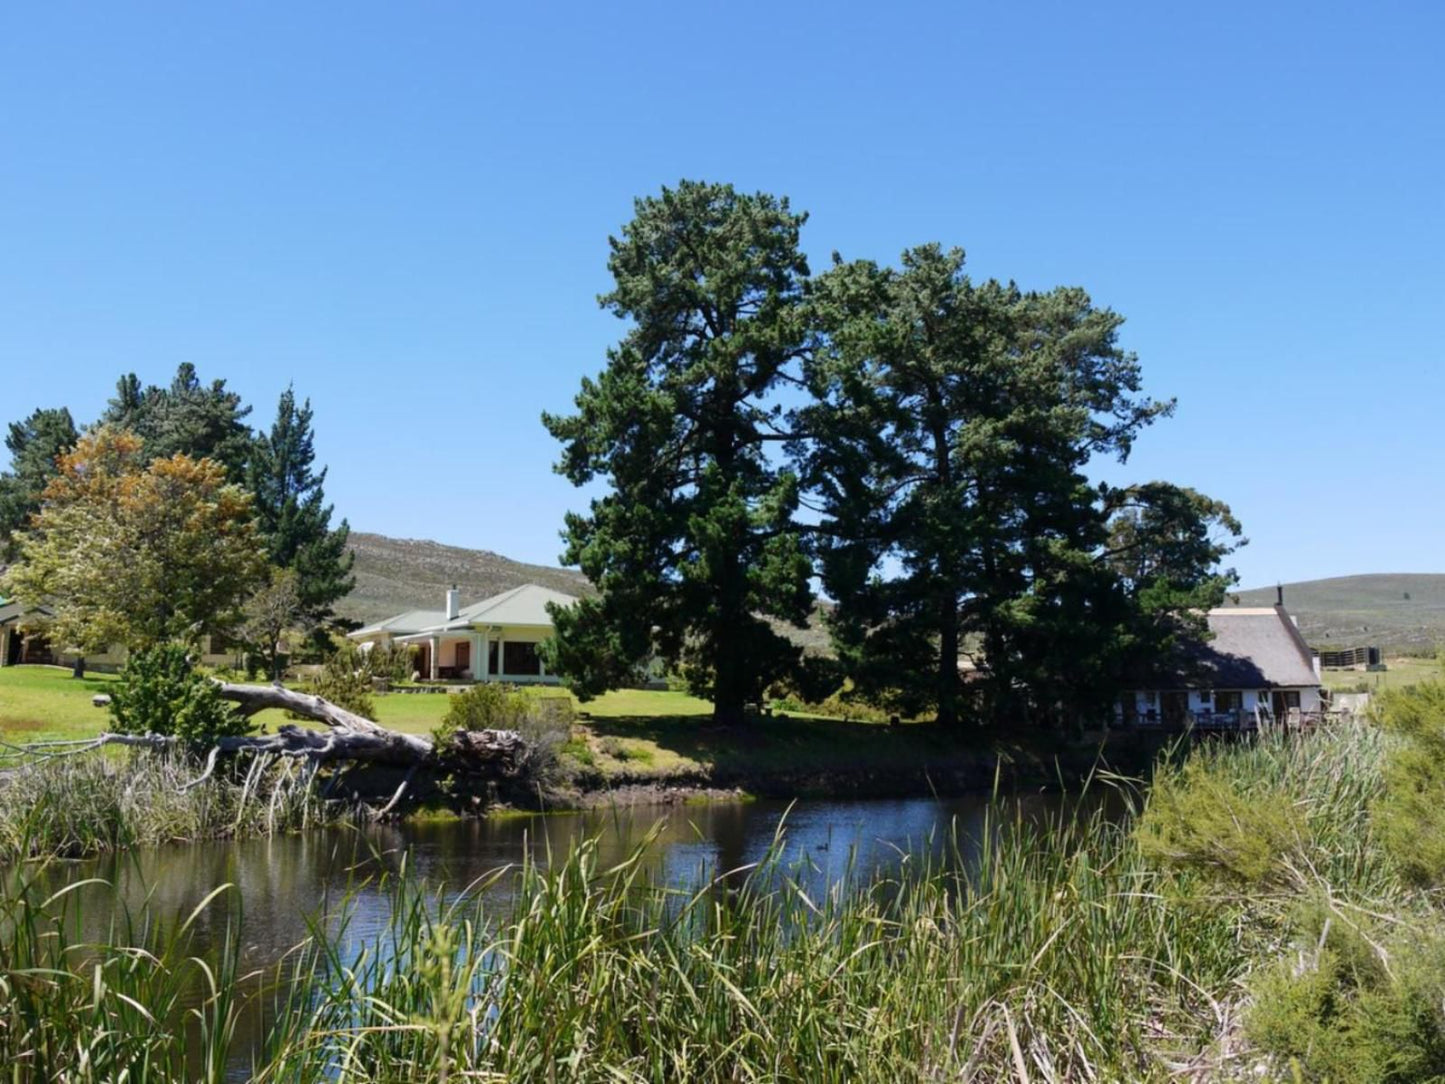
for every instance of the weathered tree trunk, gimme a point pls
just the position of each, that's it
(355, 737)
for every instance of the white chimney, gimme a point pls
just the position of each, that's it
(454, 602)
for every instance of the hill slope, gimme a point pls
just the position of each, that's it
(1402, 611)
(398, 574)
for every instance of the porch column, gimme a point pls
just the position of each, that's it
(4, 646)
(501, 655)
(479, 658)
(484, 664)
(436, 650)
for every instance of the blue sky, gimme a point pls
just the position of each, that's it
(404, 209)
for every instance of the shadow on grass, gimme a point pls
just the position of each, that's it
(787, 744)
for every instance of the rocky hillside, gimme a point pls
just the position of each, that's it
(397, 574)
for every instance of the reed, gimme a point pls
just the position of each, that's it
(77, 806)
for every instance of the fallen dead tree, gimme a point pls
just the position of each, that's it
(348, 739)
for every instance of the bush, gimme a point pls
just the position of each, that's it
(1362, 1003)
(161, 692)
(1411, 812)
(545, 724)
(344, 678)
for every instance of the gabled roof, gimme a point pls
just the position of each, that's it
(1251, 648)
(13, 611)
(401, 624)
(524, 605)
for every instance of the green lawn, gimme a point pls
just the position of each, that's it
(1401, 673)
(628, 735)
(46, 702)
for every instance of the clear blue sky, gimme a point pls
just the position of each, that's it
(404, 208)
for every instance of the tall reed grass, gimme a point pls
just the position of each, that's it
(72, 807)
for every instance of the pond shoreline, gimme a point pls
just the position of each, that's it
(962, 773)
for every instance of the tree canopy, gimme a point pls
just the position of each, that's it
(136, 552)
(695, 544)
(969, 553)
(292, 514)
(203, 421)
(941, 434)
(35, 445)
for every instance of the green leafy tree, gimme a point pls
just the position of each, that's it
(203, 421)
(161, 692)
(292, 513)
(126, 551)
(34, 444)
(695, 542)
(950, 432)
(268, 615)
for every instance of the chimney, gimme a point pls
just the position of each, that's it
(454, 602)
(1279, 594)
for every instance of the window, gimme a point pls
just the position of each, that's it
(520, 658)
(1204, 696)
(1228, 700)
(492, 667)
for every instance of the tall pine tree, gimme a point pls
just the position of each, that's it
(34, 445)
(695, 543)
(292, 514)
(952, 426)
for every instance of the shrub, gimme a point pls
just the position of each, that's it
(1411, 813)
(1197, 820)
(161, 692)
(344, 678)
(487, 706)
(1362, 1002)
(545, 724)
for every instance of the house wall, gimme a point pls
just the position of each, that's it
(1147, 701)
(114, 656)
(480, 640)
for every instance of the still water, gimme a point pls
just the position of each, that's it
(284, 884)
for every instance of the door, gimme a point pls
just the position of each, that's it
(1174, 707)
(463, 656)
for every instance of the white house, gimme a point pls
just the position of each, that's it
(1256, 664)
(495, 639)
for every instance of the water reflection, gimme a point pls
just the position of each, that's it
(283, 882)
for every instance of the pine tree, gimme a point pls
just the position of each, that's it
(34, 444)
(292, 514)
(187, 418)
(951, 429)
(695, 544)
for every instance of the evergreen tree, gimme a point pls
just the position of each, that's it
(187, 418)
(695, 544)
(34, 445)
(951, 428)
(292, 514)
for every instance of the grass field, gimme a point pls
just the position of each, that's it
(1402, 673)
(628, 735)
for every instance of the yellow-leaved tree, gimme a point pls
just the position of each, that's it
(125, 551)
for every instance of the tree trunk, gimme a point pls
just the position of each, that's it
(354, 737)
(948, 662)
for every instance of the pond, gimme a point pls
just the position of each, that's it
(285, 883)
